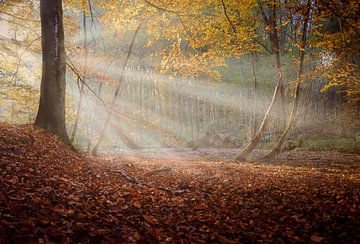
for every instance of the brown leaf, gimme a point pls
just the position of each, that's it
(136, 236)
(316, 238)
(137, 204)
(150, 219)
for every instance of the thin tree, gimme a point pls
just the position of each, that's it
(253, 68)
(117, 92)
(81, 88)
(275, 40)
(278, 145)
(51, 113)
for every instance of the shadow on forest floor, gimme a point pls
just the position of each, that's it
(50, 193)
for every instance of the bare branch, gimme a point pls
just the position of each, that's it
(21, 55)
(263, 45)
(14, 23)
(91, 12)
(77, 73)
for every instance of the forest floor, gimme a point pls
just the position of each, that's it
(51, 194)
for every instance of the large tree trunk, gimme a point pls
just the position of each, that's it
(51, 113)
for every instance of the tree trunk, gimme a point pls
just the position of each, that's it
(128, 141)
(277, 148)
(197, 123)
(254, 91)
(110, 112)
(255, 140)
(276, 49)
(51, 113)
(191, 119)
(81, 88)
(141, 106)
(181, 116)
(77, 118)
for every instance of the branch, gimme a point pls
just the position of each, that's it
(76, 72)
(127, 177)
(134, 180)
(78, 75)
(110, 112)
(14, 23)
(263, 45)
(234, 29)
(126, 63)
(338, 13)
(162, 8)
(21, 55)
(178, 14)
(263, 13)
(17, 17)
(91, 12)
(227, 16)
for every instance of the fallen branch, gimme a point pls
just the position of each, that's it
(162, 169)
(127, 177)
(174, 192)
(134, 180)
(10, 149)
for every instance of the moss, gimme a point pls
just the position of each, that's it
(341, 144)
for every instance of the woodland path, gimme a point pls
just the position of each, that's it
(293, 157)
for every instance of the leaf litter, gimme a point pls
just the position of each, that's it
(49, 193)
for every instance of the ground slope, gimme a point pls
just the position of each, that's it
(50, 193)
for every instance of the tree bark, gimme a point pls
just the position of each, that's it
(181, 116)
(197, 123)
(276, 46)
(276, 49)
(277, 147)
(117, 92)
(81, 88)
(51, 113)
(253, 57)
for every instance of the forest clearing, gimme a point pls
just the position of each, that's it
(179, 121)
(51, 194)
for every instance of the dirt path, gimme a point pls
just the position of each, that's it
(225, 154)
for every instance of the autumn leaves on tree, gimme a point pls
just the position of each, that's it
(192, 40)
